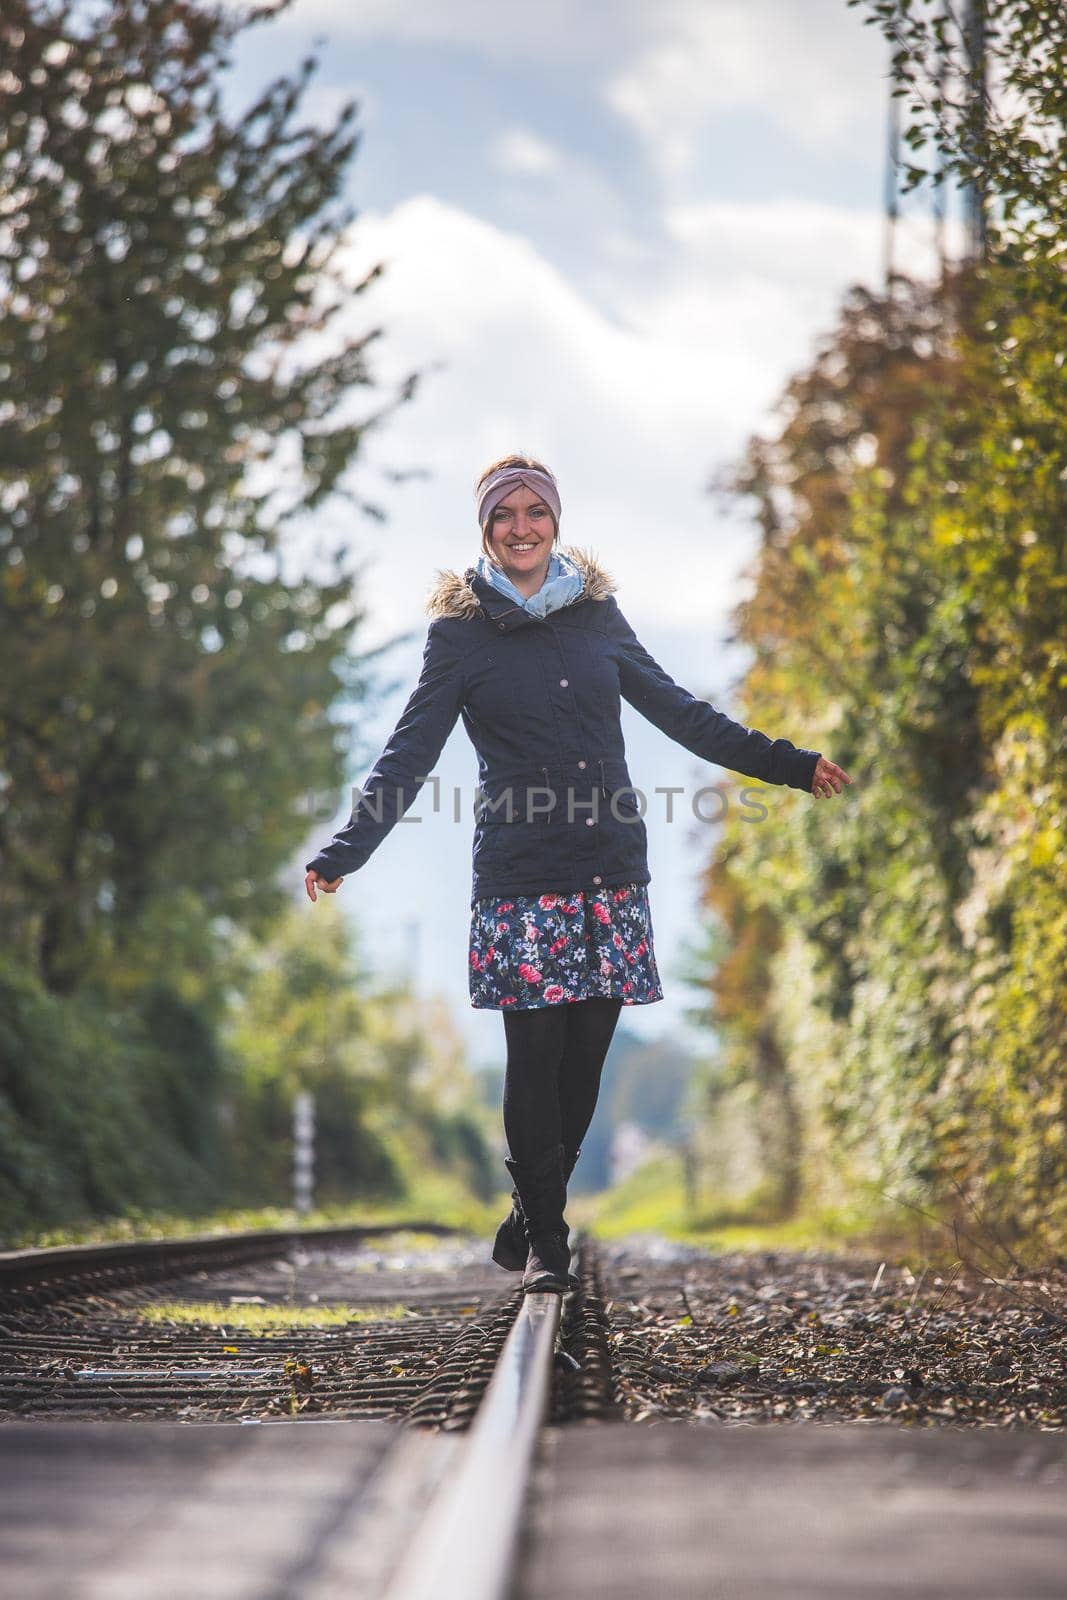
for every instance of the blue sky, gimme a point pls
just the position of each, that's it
(610, 232)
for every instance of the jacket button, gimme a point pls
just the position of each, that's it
(581, 763)
(563, 682)
(500, 625)
(589, 821)
(597, 878)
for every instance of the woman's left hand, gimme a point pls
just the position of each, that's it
(828, 778)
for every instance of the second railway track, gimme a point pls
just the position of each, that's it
(228, 1330)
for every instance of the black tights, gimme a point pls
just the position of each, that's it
(552, 1079)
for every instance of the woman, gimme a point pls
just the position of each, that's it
(530, 647)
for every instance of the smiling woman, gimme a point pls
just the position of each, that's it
(519, 527)
(529, 646)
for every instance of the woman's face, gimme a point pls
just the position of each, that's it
(521, 533)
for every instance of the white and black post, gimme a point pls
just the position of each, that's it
(303, 1149)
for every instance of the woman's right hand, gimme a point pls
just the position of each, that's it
(828, 778)
(313, 881)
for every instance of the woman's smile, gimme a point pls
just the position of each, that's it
(521, 531)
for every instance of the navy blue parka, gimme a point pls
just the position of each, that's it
(555, 809)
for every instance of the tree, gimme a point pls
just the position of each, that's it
(169, 279)
(984, 86)
(394, 1100)
(905, 956)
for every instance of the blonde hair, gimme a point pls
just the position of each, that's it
(512, 461)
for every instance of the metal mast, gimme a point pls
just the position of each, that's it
(892, 203)
(973, 194)
(940, 192)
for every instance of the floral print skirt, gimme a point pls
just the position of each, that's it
(543, 950)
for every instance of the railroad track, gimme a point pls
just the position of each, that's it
(62, 1270)
(99, 1334)
(439, 1466)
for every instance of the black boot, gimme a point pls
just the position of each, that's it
(509, 1246)
(510, 1249)
(542, 1195)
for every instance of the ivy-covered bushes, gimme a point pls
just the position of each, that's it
(899, 956)
(892, 979)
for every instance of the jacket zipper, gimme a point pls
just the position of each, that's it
(603, 788)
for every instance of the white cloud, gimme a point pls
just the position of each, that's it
(808, 65)
(519, 151)
(500, 29)
(734, 238)
(632, 414)
(690, 316)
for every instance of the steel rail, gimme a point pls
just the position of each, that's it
(465, 1546)
(54, 1264)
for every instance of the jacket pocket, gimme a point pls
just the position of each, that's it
(514, 850)
(624, 835)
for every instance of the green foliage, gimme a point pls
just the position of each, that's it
(388, 1076)
(169, 280)
(147, 1108)
(182, 1092)
(889, 982)
(178, 395)
(656, 1199)
(296, 1024)
(86, 1094)
(984, 90)
(890, 978)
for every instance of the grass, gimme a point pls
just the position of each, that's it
(654, 1200)
(262, 1319)
(431, 1197)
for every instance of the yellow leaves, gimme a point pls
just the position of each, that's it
(300, 1374)
(946, 529)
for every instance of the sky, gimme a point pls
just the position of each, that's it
(609, 233)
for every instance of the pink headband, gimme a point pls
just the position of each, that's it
(500, 484)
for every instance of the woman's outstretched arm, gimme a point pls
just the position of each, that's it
(404, 765)
(697, 726)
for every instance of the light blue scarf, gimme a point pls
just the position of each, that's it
(563, 583)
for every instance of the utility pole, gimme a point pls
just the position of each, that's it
(303, 1150)
(940, 195)
(974, 196)
(892, 189)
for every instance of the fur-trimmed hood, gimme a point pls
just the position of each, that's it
(453, 595)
